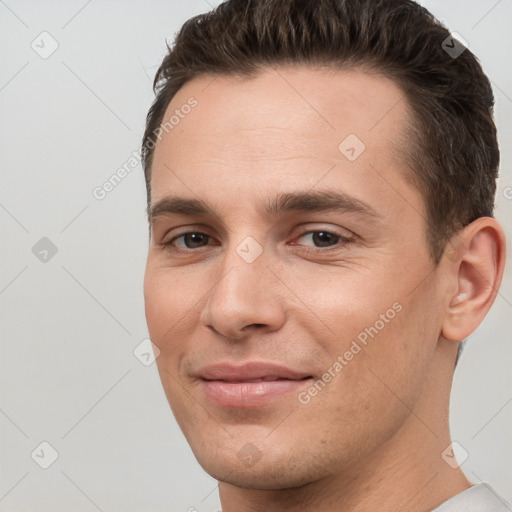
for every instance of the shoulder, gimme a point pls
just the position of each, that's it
(478, 498)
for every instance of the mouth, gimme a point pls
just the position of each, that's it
(267, 378)
(250, 385)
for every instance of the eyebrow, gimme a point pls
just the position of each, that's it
(313, 201)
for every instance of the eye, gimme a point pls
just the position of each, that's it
(320, 238)
(191, 240)
(324, 238)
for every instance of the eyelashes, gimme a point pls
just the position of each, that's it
(330, 234)
(193, 241)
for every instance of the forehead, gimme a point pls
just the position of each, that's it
(301, 99)
(282, 125)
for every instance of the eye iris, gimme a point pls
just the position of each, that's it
(194, 239)
(323, 238)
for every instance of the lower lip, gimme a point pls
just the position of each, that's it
(250, 394)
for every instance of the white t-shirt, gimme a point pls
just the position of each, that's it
(478, 498)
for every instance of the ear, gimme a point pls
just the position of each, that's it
(476, 261)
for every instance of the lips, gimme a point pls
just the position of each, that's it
(253, 384)
(250, 371)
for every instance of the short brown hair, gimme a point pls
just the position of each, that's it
(453, 151)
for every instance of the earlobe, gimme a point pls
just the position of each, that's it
(477, 264)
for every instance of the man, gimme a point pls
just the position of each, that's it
(321, 179)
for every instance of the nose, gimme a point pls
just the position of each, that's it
(245, 298)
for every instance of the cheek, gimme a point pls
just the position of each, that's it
(384, 334)
(169, 307)
(352, 308)
(397, 359)
(167, 311)
(167, 294)
(159, 307)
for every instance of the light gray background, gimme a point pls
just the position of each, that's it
(69, 326)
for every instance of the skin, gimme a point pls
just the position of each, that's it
(372, 438)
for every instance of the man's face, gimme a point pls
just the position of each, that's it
(268, 291)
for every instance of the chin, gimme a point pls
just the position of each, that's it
(268, 469)
(264, 477)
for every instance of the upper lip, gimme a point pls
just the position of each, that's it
(249, 371)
